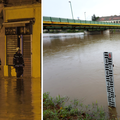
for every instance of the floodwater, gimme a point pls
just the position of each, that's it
(73, 65)
(19, 98)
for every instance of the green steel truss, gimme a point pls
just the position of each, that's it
(56, 23)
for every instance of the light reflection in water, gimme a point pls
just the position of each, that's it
(113, 113)
(19, 98)
(74, 67)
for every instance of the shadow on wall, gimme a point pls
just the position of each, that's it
(1, 69)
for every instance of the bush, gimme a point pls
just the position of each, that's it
(56, 109)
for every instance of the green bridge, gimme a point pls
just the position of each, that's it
(63, 24)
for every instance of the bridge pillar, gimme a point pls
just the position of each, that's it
(106, 31)
(97, 32)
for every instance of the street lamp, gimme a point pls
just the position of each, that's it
(85, 15)
(71, 9)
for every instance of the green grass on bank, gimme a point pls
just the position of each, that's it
(56, 109)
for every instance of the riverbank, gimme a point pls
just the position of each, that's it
(59, 109)
(46, 35)
(62, 31)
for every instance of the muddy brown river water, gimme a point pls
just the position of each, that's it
(73, 65)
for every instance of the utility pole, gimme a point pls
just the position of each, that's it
(71, 9)
(85, 15)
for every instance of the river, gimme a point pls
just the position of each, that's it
(73, 65)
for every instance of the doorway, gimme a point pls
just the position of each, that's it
(24, 43)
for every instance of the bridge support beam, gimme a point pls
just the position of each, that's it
(97, 32)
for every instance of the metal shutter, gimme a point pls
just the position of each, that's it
(11, 44)
(27, 55)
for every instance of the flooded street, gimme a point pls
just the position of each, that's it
(19, 99)
(73, 65)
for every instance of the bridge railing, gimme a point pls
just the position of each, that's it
(54, 19)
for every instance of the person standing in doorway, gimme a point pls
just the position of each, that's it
(18, 62)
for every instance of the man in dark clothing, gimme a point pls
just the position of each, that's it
(18, 62)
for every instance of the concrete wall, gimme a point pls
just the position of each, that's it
(2, 50)
(2, 45)
(29, 11)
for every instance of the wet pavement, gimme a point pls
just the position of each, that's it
(19, 98)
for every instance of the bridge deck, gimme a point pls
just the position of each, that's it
(61, 22)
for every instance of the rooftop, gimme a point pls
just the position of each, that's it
(108, 18)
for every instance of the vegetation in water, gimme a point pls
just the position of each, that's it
(56, 109)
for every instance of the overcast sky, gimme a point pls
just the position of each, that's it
(62, 9)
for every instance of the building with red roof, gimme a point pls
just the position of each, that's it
(111, 19)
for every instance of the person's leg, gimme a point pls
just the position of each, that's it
(21, 71)
(18, 73)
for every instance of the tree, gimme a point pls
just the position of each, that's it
(94, 18)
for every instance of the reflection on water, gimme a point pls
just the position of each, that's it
(19, 86)
(74, 67)
(112, 113)
(61, 36)
(19, 98)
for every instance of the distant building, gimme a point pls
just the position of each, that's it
(111, 19)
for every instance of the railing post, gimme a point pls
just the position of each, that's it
(51, 19)
(67, 20)
(60, 19)
(74, 20)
